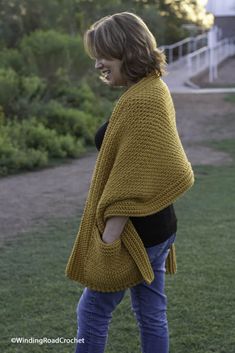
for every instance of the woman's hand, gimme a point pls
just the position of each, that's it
(113, 228)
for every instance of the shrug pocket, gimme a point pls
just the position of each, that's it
(109, 266)
(107, 249)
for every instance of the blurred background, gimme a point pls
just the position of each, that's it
(51, 104)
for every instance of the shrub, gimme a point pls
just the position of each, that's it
(2, 116)
(32, 90)
(46, 52)
(12, 159)
(11, 58)
(32, 134)
(69, 121)
(29, 144)
(19, 94)
(7, 154)
(32, 87)
(37, 136)
(72, 146)
(9, 88)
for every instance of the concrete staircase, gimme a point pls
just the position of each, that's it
(194, 62)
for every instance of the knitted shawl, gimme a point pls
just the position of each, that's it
(141, 168)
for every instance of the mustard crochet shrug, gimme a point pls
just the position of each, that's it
(141, 168)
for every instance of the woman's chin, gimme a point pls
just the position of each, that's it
(111, 82)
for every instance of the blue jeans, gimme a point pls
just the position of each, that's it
(149, 304)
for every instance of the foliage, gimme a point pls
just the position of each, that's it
(29, 144)
(47, 52)
(44, 79)
(20, 18)
(68, 120)
(12, 159)
(191, 11)
(51, 99)
(11, 58)
(18, 93)
(9, 87)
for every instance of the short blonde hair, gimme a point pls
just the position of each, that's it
(126, 37)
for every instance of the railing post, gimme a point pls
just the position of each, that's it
(180, 51)
(189, 64)
(189, 46)
(170, 55)
(197, 62)
(216, 64)
(208, 57)
(230, 47)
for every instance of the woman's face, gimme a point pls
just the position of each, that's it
(111, 70)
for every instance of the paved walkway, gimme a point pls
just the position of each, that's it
(177, 75)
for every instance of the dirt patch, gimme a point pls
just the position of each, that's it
(31, 199)
(202, 118)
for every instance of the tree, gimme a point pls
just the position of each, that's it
(164, 17)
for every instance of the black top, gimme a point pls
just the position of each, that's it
(153, 229)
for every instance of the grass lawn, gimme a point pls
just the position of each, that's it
(37, 300)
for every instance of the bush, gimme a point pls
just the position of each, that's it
(83, 98)
(32, 87)
(69, 121)
(46, 52)
(29, 144)
(19, 94)
(2, 116)
(32, 134)
(9, 88)
(74, 95)
(32, 90)
(11, 58)
(40, 138)
(12, 159)
(73, 147)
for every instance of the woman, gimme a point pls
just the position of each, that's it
(129, 225)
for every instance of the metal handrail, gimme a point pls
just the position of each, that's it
(207, 57)
(189, 41)
(184, 41)
(197, 52)
(219, 44)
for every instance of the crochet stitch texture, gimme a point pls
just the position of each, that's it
(141, 168)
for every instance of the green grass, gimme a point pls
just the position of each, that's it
(230, 98)
(37, 300)
(227, 146)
